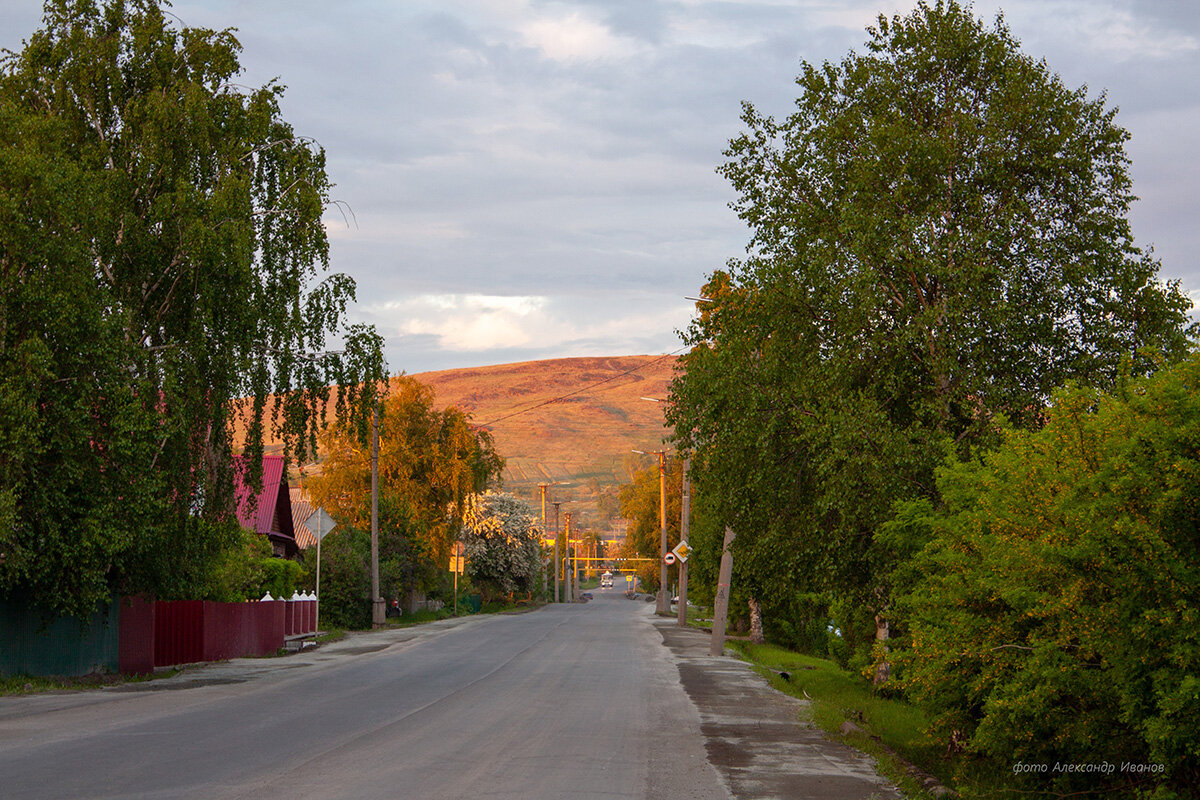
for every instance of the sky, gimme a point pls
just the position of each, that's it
(529, 179)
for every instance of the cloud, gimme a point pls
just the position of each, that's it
(479, 326)
(1119, 34)
(574, 37)
(536, 177)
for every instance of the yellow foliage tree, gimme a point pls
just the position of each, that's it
(430, 461)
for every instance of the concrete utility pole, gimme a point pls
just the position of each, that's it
(377, 616)
(721, 605)
(685, 515)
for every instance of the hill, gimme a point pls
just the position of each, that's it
(569, 422)
(572, 422)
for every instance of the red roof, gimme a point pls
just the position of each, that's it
(271, 515)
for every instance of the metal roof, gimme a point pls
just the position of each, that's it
(263, 512)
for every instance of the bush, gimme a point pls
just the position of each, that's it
(247, 571)
(1055, 604)
(345, 578)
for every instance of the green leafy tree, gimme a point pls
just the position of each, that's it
(502, 541)
(1053, 598)
(162, 257)
(430, 463)
(939, 234)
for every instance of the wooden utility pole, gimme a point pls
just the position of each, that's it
(377, 615)
(685, 514)
(664, 592)
(721, 605)
(545, 576)
(557, 565)
(570, 562)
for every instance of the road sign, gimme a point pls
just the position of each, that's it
(320, 523)
(682, 551)
(457, 563)
(669, 559)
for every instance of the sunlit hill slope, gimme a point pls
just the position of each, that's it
(572, 422)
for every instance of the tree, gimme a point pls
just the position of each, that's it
(430, 463)
(1053, 597)
(162, 258)
(501, 540)
(939, 235)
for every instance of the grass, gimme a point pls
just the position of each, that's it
(331, 635)
(28, 684)
(699, 617)
(893, 731)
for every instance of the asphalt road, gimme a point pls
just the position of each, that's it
(592, 700)
(568, 701)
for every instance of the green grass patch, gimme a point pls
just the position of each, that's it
(28, 684)
(420, 617)
(331, 635)
(892, 727)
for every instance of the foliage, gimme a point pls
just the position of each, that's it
(939, 235)
(502, 542)
(345, 578)
(161, 252)
(1054, 597)
(238, 573)
(430, 462)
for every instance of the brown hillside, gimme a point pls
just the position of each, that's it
(569, 421)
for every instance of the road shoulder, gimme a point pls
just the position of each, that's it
(755, 736)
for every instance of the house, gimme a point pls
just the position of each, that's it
(267, 509)
(302, 510)
(309, 519)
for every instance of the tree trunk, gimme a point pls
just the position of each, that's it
(882, 666)
(756, 628)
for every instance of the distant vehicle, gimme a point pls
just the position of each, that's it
(606, 580)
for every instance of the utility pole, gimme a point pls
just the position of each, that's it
(685, 514)
(543, 487)
(664, 594)
(377, 617)
(663, 605)
(569, 562)
(721, 605)
(557, 566)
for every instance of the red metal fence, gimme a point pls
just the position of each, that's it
(188, 631)
(137, 634)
